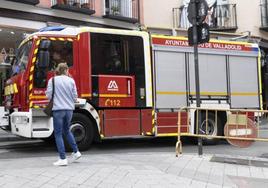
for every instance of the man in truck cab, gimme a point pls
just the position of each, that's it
(57, 55)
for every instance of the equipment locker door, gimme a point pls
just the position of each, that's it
(244, 85)
(170, 70)
(212, 75)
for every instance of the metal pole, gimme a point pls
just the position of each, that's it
(197, 87)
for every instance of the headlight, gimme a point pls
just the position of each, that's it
(20, 119)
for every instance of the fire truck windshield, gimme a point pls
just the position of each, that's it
(21, 59)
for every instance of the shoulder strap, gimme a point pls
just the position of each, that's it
(53, 88)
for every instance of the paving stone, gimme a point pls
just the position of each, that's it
(198, 184)
(256, 172)
(130, 170)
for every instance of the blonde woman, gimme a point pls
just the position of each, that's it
(65, 95)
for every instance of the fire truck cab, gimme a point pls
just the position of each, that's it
(129, 83)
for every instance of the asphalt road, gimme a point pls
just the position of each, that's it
(38, 148)
(14, 148)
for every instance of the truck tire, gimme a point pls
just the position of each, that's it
(212, 128)
(83, 131)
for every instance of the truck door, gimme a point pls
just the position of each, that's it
(58, 51)
(118, 82)
(118, 70)
(51, 52)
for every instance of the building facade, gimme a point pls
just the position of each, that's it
(20, 17)
(227, 18)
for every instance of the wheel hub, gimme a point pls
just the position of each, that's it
(208, 127)
(78, 131)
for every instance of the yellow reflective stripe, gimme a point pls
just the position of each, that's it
(69, 39)
(86, 95)
(153, 130)
(52, 38)
(32, 69)
(30, 86)
(34, 59)
(61, 39)
(37, 43)
(11, 89)
(15, 88)
(7, 90)
(153, 114)
(208, 93)
(167, 134)
(35, 51)
(31, 77)
(244, 94)
(31, 104)
(170, 93)
(113, 95)
(38, 97)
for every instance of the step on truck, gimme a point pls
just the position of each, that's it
(130, 83)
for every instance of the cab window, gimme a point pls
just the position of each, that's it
(116, 54)
(50, 54)
(21, 60)
(60, 52)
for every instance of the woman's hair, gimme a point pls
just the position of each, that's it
(61, 69)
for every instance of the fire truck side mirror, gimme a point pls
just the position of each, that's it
(43, 59)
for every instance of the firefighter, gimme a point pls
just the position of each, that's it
(56, 59)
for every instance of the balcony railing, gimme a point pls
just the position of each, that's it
(264, 15)
(80, 6)
(220, 18)
(123, 10)
(30, 2)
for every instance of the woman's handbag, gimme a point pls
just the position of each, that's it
(48, 109)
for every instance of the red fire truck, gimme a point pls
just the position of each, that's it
(129, 83)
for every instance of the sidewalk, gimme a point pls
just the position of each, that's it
(135, 170)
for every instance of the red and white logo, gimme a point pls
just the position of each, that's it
(112, 86)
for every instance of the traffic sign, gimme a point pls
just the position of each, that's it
(202, 34)
(198, 10)
(240, 126)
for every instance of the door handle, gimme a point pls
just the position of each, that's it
(129, 86)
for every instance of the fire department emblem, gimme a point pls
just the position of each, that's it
(112, 86)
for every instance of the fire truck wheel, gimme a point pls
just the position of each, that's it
(209, 127)
(83, 131)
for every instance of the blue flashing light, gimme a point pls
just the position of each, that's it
(52, 28)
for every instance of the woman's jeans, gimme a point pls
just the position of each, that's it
(61, 122)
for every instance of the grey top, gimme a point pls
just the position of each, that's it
(65, 93)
